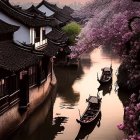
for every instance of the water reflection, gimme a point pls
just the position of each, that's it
(37, 127)
(109, 53)
(56, 128)
(66, 76)
(86, 130)
(105, 88)
(74, 86)
(124, 98)
(86, 61)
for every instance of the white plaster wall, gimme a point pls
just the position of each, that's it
(48, 29)
(46, 10)
(23, 34)
(32, 36)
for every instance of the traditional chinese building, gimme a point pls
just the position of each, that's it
(26, 70)
(53, 11)
(53, 32)
(67, 10)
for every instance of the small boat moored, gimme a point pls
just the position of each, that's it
(106, 75)
(86, 130)
(92, 111)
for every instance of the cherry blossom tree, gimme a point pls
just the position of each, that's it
(132, 119)
(115, 24)
(106, 24)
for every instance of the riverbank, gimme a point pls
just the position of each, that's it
(12, 119)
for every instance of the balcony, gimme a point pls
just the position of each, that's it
(39, 44)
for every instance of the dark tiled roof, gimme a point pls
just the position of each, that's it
(52, 22)
(67, 10)
(61, 17)
(59, 14)
(34, 10)
(18, 7)
(7, 28)
(23, 17)
(49, 21)
(57, 36)
(52, 7)
(4, 73)
(13, 58)
(51, 49)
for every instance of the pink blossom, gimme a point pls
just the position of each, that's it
(138, 137)
(131, 117)
(127, 108)
(106, 23)
(133, 96)
(120, 126)
(138, 106)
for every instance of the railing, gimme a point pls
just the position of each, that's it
(10, 87)
(4, 104)
(9, 91)
(39, 44)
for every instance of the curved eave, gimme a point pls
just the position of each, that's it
(26, 19)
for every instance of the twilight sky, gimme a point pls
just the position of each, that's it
(60, 2)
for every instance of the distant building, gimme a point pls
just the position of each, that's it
(67, 10)
(51, 10)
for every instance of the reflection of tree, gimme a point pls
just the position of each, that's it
(106, 88)
(124, 96)
(86, 60)
(66, 77)
(87, 129)
(109, 53)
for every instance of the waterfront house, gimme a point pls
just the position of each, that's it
(26, 68)
(53, 32)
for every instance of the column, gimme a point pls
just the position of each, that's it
(41, 34)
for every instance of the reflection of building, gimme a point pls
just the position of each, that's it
(25, 66)
(66, 77)
(27, 47)
(55, 35)
(39, 125)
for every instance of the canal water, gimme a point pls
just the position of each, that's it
(74, 86)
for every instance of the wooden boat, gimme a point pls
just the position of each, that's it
(106, 75)
(86, 130)
(92, 111)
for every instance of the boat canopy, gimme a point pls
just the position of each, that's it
(106, 69)
(93, 99)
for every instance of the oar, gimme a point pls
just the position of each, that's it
(79, 113)
(97, 77)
